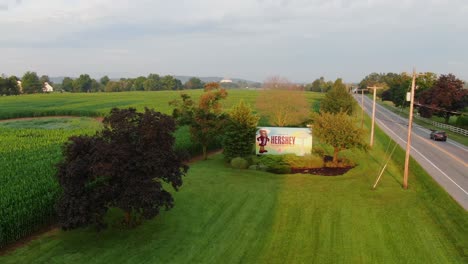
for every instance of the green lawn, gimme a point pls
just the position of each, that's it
(99, 104)
(223, 215)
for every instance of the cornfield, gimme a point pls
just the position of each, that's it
(28, 189)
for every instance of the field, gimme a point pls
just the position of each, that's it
(99, 104)
(28, 152)
(223, 215)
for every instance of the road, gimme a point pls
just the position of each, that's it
(446, 162)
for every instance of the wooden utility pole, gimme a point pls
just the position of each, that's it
(410, 125)
(362, 108)
(373, 114)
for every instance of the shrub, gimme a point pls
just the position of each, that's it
(342, 162)
(273, 163)
(462, 122)
(269, 160)
(239, 163)
(319, 151)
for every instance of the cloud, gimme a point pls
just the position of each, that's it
(59, 19)
(293, 36)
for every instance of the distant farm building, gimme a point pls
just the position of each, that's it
(225, 80)
(47, 88)
(20, 87)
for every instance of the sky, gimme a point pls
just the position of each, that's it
(251, 39)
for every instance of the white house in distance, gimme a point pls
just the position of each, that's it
(47, 88)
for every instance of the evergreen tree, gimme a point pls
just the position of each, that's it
(338, 99)
(239, 132)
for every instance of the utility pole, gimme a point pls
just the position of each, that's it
(410, 125)
(362, 108)
(373, 114)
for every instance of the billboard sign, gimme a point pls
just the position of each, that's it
(283, 140)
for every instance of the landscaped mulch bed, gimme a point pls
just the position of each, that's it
(324, 171)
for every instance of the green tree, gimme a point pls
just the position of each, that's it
(96, 86)
(45, 78)
(126, 84)
(168, 83)
(138, 83)
(113, 86)
(338, 99)
(338, 130)
(122, 166)
(178, 85)
(152, 83)
(371, 80)
(318, 85)
(239, 132)
(104, 80)
(67, 84)
(31, 83)
(82, 83)
(9, 86)
(425, 82)
(206, 119)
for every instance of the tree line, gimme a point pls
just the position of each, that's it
(31, 83)
(153, 82)
(442, 95)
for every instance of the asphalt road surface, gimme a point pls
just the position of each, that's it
(446, 162)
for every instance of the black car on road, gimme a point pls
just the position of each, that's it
(438, 135)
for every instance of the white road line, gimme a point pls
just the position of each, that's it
(454, 143)
(430, 162)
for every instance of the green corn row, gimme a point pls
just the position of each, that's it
(28, 188)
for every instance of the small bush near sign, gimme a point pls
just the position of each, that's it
(239, 163)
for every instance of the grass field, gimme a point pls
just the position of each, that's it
(99, 104)
(223, 215)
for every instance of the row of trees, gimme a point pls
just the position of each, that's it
(441, 95)
(396, 85)
(320, 85)
(31, 83)
(153, 82)
(9, 85)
